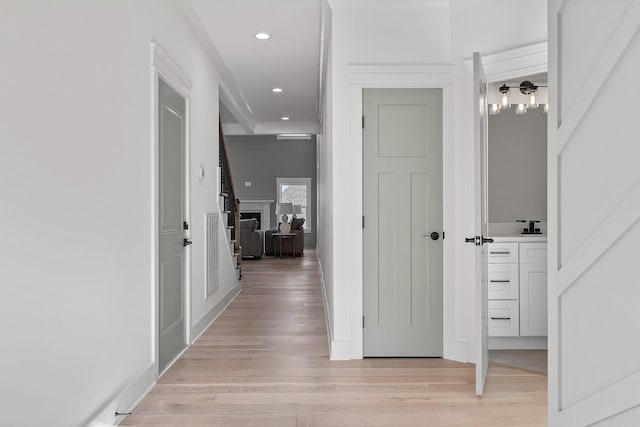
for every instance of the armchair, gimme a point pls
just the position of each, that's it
(250, 239)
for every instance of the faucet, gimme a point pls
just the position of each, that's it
(531, 229)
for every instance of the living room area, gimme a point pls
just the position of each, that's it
(274, 178)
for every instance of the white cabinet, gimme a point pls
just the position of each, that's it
(504, 318)
(503, 281)
(517, 289)
(533, 300)
(502, 252)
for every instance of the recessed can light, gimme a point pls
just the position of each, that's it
(285, 118)
(263, 36)
(276, 90)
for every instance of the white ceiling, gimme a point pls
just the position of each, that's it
(289, 60)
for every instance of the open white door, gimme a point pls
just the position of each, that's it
(594, 213)
(479, 240)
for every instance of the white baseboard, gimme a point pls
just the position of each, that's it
(340, 350)
(326, 306)
(458, 351)
(207, 320)
(517, 343)
(126, 400)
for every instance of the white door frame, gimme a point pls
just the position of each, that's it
(397, 76)
(163, 66)
(512, 64)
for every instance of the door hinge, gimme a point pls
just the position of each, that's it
(362, 221)
(362, 122)
(362, 322)
(185, 225)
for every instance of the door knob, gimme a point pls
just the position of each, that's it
(434, 235)
(486, 240)
(186, 242)
(475, 240)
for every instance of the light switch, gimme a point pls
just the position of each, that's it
(247, 183)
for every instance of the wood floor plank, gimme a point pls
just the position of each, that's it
(264, 362)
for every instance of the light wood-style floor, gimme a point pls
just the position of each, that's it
(264, 362)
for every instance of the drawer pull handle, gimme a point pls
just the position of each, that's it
(500, 281)
(500, 318)
(500, 252)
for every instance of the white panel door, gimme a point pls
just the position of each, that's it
(594, 213)
(171, 141)
(481, 213)
(403, 222)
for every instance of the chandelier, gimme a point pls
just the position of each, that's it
(527, 99)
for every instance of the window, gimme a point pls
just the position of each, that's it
(298, 192)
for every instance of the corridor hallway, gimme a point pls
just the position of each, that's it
(264, 362)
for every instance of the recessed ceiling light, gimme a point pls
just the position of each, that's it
(276, 90)
(263, 36)
(285, 118)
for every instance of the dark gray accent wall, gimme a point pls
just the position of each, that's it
(517, 171)
(261, 159)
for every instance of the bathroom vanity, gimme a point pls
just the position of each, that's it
(517, 281)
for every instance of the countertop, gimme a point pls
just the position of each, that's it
(521, 238)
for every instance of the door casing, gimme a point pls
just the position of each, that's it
(392, 77)
(163, 66)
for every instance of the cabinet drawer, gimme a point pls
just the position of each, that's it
(533, 253)
(503, 281)
(504, 319)
(502, 252)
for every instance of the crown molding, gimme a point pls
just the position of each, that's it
(230, 93)
(272, 128)
(382, 4)
(513, 63)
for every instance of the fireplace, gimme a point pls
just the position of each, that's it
(252, 215)
(260, 209)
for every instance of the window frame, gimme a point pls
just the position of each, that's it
(280, 181)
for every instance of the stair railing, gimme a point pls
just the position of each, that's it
(231, 202)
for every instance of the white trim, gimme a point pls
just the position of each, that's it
(380, 4)
(512, 63)
(163, 66)
(262, 206)
(327, 315)
(298, 181)
(517, 343)
(230, 94)
(270, 128)
(126, 399)
(338, 349)
(234, 129)
(396, 76)
(170, 70)
(215, 312)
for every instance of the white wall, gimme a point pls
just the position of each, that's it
(324, 159)
(76, 188)
(414, 32)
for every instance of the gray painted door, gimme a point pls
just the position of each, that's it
(481, 123)
(171, 140)
(402, 206)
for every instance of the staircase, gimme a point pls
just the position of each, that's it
(230, 205)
